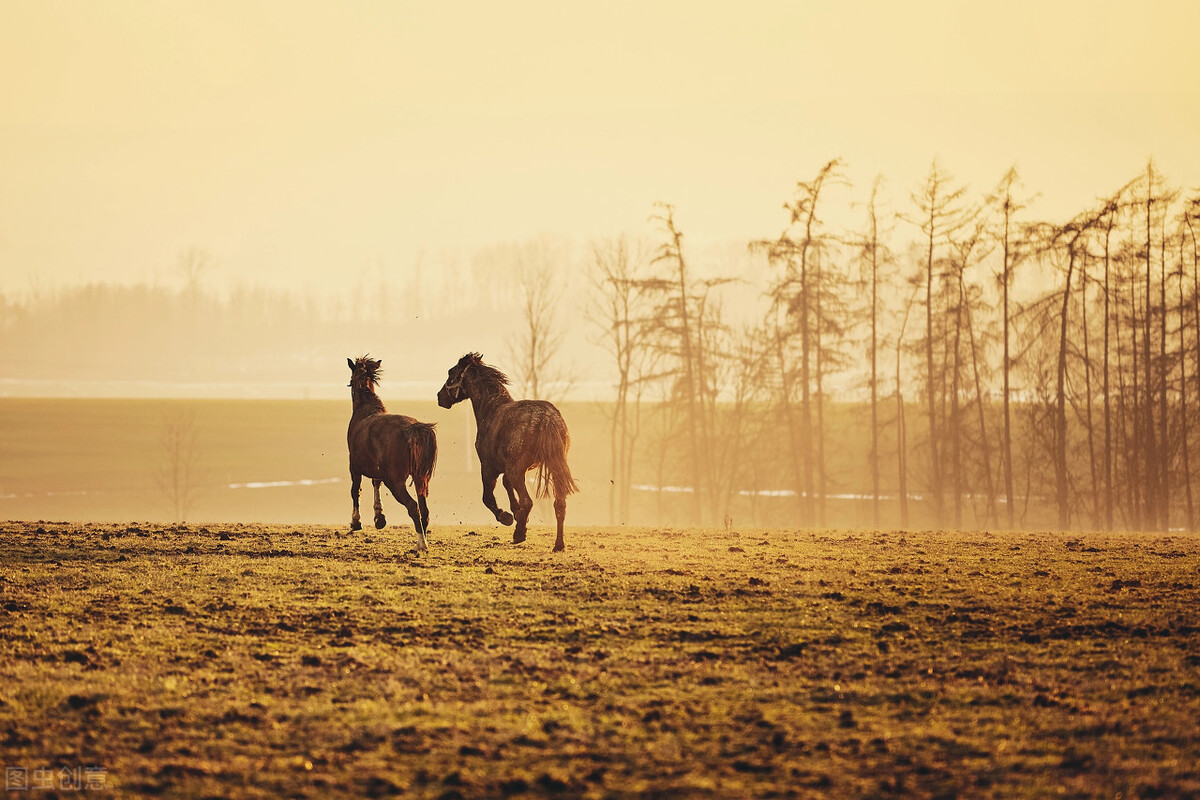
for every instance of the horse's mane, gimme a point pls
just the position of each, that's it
(487, 373)
(372, 368)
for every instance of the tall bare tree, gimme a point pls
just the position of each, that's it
(1190, 219)
(1011, 255)
(622, 318)
(901, 418)
(875, 256)
(938, 215)
(797, 300)
(1182, 309)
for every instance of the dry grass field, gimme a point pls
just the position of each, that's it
(272, 661)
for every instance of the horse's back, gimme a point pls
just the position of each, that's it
(380, 439)
(523, 432)
(527, 416)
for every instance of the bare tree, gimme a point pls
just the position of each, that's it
(1066, 247)
(178, 475)
(1074, 237)
(1184, 422)
(621, 316)
(1106, 388)
(901, 419)
(874, 256)
(193, 265)
(967, 251)
(797, 299)
(539, 338)
(695, 349)
(1189, 218)
(676, 328)
(1011, 257)
(938, 215)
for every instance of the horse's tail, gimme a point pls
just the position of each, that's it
(550, 445)
(422, 450)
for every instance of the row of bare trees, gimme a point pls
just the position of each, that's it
(1053, 364)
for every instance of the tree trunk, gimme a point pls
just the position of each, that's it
(954, 423)
(1006, 279)
(820, 386)
(1135, 451)
(874, 245)
(990, 513)
(1187, 218)
(689, 366)
(1151, 491)
(935, 466)
(1087, 383)
(1183, 394)
(794, 451)
(1108, 465)
(1164, 454)
(1060, 416)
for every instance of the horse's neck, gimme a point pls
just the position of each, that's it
(366, 403)
(485, 406)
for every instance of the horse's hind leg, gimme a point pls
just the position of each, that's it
(380, 519)
(525, 505)
(423, 505)
(355, 488)
(560, 514)
(400, 492)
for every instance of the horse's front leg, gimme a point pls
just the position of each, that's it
(513, 503)
(355, 488)
(489, 497)
(380, 519)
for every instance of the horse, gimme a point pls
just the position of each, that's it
(514, 436)
(388, 448)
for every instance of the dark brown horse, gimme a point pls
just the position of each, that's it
(514, 436)
(387, 448)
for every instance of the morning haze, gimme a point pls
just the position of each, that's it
(305, 144)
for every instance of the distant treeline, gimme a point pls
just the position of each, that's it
(192, 331)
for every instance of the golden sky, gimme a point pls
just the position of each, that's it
(310, 140)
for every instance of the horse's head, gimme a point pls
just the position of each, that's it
(364, 373)
(452, 390)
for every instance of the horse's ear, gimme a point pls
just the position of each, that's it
(477, 358)
(350, 363)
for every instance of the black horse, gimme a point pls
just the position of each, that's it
(387, 448)
(514, 436)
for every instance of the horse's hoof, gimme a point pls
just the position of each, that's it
(380, 521)
(559, 547)
(505, 518)
(518, 537)
(355, 526)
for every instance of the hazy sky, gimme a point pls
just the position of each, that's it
(320, 139)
